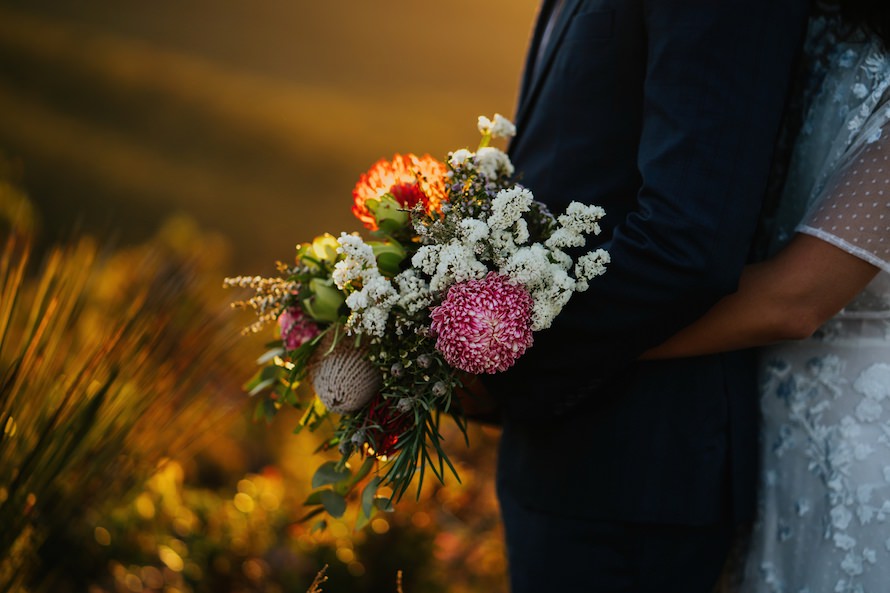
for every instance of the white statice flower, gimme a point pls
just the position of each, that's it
(564, 237)
(347, 271)
(549, 302)
(358, 261)
(414, 292)
(373, 321)
(457, 263)
(582, 218)
(380, 291)
(353, 245)
(484, 124)
(508, 206)
(501, 127)
(520, 231)
(426, 259)
(579, 220)
(493, 163)
(371, 305)
(473, 230)
(561, 258)
(502, 245)
(358, 301)
(530, 266)
(460, 157)
(592, 264)
(547, 281)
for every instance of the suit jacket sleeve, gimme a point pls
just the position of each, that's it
(715, 85)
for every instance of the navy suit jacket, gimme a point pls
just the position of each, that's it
(664, 112)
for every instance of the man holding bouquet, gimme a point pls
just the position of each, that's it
(615, 474)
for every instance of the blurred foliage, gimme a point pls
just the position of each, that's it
(128, 461)
(108, 362)
(177, 536)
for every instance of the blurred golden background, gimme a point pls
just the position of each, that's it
(254, 118)
(149, 149)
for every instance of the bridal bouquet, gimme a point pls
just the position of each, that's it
(378, 334)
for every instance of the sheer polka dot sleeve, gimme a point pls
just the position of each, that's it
(853, 213)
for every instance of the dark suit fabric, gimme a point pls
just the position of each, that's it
(665, 113)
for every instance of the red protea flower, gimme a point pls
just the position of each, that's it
(389, 423)
(409, 178)
(483, 326)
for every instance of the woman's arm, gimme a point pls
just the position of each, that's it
(785, 298)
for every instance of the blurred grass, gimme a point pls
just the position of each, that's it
(109, 363)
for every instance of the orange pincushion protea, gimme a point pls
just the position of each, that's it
(409, 178)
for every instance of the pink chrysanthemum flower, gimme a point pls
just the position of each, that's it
(483, 326)
(296, 329)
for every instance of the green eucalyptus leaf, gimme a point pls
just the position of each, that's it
(319, 526)
(259, 411)
(334, 503)
(313, 499)
(362, 521)
(363, 470)
(384, 504)
(368, 495)
(328, 474)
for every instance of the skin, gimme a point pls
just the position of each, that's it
(787, 297)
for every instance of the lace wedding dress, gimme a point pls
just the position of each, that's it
(824, 519)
